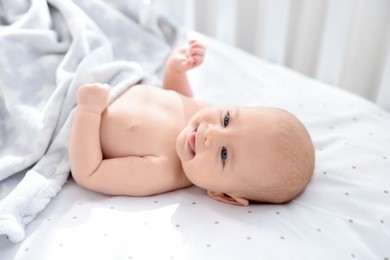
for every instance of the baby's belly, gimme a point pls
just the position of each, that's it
(135, 126)
(120, 136)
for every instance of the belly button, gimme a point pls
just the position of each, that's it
(132, 128)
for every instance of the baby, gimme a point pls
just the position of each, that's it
(152, 140)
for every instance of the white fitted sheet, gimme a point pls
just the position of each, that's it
(343, 214)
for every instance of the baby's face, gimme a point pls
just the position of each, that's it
(222, 147)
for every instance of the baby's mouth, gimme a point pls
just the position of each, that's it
(191, 143)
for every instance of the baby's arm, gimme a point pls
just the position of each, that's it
(179, 62)
(129, 175)
(85, 152)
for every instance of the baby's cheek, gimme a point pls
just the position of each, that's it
(193, 172)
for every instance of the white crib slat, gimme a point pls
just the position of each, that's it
(226, 21)
(272, 30)
(334, 40)
(205, 16)
(247, 17)
(217, 18)
(383, 96)
(366, 48)
(306, 21)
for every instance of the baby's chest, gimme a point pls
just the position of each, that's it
(138, 128)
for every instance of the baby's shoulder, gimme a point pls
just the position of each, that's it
(151, 94)
(142, 89)
(158, 101)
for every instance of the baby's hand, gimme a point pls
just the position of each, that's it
(93, 97)
(187, 57)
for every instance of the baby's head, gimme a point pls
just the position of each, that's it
(242, 154)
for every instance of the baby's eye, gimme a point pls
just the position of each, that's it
(224, 154)
(226, 119)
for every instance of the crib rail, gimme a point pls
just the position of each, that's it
(342, 42)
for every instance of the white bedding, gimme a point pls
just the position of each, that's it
(343, 214)
(48, 49)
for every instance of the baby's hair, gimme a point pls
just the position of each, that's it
(293, 148)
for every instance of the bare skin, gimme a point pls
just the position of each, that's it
(128, 148)
(152, 140)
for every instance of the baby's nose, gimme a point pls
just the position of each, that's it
(212, 134)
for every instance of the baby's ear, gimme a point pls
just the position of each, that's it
(228, 199)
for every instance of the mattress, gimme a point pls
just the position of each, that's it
(343, 214)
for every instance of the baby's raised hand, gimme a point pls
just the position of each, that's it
(93, 97)
(187, 57)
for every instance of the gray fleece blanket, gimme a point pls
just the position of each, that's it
(48, 49)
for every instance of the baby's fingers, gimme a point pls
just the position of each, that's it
(196, 52)
(196, 48)
(197, 60)
(195, 43)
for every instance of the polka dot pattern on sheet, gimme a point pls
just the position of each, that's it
(346, 204)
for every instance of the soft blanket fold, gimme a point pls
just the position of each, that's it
(48, 49)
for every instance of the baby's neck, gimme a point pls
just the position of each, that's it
(191, 106)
